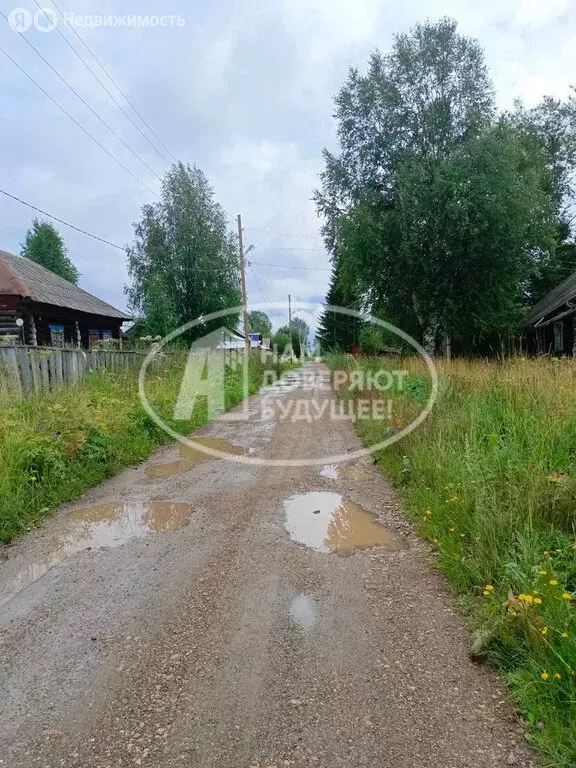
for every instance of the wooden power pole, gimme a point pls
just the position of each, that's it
(243, 276)
(290, 325)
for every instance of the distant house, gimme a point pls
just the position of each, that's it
(550, 326)
(54, 312)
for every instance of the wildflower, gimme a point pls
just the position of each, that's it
(485, 593)
(452, 530)
(543, 573)
(526, 598)
(544, 675)
(558, 551)
(546, 553)
(512, 612)
(567, 596)
(553, 582)
(33, 478)
(544, 630)
(462, 535)
(489, 588)
(538, 600)
(557, 676)
(428, 513)
(435, 541)
(564, 635)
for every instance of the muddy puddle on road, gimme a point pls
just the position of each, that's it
(326, 522)
(192, 456)
(105, 525)
(357, 474)
(302, 611)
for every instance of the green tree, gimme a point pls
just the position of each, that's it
(259, 322)
(184, 260)
(45, 246)
(285, 337)
(301, 329)
(437, 214)
(336, 330)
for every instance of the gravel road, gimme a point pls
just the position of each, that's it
(210, 613)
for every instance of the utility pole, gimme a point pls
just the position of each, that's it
(290, 326)
(243, 276)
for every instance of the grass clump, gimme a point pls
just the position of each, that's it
(490, 480)
(56, 445)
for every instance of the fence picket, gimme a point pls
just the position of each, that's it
(26, 369)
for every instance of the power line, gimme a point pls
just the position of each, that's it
(281, 234)
(75, 92)
(94, 139)
(89, 68)
(115, 84)
(291, 266)
(61, 221)
(288, 248)
(257, 282)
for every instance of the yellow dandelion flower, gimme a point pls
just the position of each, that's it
(544, 675)
(538, 600)
(525, 598)
(544, 630)
(567, 596)
(564, 635)
(512, 612)
(452, 530)
(489, 588)
(553, 582)
(428, 512)
(558, 676)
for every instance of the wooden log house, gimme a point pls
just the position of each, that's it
(54, 312)
(550, 327)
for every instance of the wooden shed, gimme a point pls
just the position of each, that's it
(54, 312)
(550, 326)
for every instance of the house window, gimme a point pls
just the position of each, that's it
(56, 335)
(559, 337)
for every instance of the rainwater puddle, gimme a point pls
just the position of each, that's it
(105, 525)
(335, 472)
(302, 611)
(325, 522)
(193, 456)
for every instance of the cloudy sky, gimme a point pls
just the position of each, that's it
(242, 89)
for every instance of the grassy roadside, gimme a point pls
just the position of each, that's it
(55, 446)
(490, 480)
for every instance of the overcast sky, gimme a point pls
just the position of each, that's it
(244, 90)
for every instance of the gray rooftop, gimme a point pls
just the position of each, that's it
(23, 277)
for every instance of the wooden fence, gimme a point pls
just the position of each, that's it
(26, 369)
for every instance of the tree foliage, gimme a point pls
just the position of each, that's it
(301, 329)
(338, 331)
(45, 246)
(438, 213)
(184, 260)
(259, 322)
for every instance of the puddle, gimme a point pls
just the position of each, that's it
(335, 472)
(302, 611)
(105, 525)
(196, 455)
(325, 522)
(162, 471)
(193, 456)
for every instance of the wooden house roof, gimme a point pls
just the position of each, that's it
(557, 298)
(23, 277)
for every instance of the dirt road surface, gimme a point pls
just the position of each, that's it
(195, 612)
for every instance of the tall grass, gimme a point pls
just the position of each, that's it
(490, 480)
(54, 446)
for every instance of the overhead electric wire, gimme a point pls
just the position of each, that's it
(257, 282)
(281, 234)
(61, 221)
(115, 84)
(94, 139)
(83, 100)
(89, 68)
(287, 248)
(291, 266)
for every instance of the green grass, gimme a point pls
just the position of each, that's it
(490, 480)
(55, 446)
